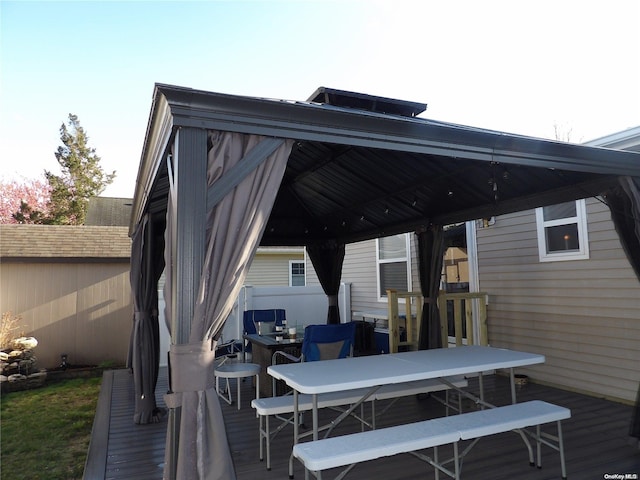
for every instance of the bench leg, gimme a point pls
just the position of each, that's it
(561, 448)
(527, 443)
(261, 435)
(538, 446)
(555, 443)
(257, 388)
(268, 441)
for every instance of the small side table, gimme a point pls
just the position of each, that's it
(237, 371)
(263, 348)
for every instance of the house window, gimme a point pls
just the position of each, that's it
(393, 264)
(562, 232)
(296, 274)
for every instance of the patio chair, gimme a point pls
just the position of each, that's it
(320, 342)
(251, 318)
(327, 342)
(323, 342)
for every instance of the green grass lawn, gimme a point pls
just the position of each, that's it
(45, 433)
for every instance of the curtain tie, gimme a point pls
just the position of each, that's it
(192, 367)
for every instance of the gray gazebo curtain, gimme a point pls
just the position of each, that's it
(624, 203)
(327, 259)
(146, 267)
(430, 254)
(234, 227)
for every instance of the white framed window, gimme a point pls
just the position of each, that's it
(562, 232)
(297, 276)
(393, 264)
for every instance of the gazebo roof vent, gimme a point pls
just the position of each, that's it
(361, 101)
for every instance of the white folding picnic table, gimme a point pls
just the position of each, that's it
(377, 370)
(372, 372)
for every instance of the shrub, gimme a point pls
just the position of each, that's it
(9, 329)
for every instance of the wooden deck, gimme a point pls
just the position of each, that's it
(596, 439)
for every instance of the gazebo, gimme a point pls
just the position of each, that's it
(222, 174)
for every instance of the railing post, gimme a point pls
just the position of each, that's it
(457, 320)
(468, 316)
(392, 307)
(469, 300)
(412, 324)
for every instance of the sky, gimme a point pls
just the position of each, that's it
(524, 67)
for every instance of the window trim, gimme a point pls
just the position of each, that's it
(406, 259)
(291, 262)
(580, 220)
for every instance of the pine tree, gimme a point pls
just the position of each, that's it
(82, 177)
(28, 214)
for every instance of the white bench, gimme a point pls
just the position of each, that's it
(347, 450)
(283, 405)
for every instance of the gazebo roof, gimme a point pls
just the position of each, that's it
(369, 167)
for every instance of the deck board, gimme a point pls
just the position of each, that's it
(596, 439)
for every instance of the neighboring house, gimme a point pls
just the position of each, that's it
(70, 285)
(109, 211)
(366, 269)
(372, 266)
(560, 284)
(578, 304)
(271, 267)
(277, 266)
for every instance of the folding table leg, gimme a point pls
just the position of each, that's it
(456, 460)
(296, 430)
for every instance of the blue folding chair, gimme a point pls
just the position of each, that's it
(322, 342)
(250, 319)
(327, 342)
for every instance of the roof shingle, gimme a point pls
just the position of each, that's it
(64, 242)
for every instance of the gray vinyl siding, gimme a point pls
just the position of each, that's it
(583, 315)
(359, 269)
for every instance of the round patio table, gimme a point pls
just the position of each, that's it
(237, 371)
